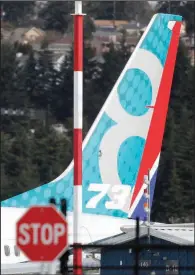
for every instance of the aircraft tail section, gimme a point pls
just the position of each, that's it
(125, 139)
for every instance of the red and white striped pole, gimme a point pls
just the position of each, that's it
(78, 125)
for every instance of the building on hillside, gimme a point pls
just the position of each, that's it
(26, 35)
(102, 42)
(17, 35)
(177, 260)
(110, 31)
(5, 34)
(102, 38)
(132, 28)
(101, 24)
(61, 45)
(34, 34)
(32, 114)
(57, 46)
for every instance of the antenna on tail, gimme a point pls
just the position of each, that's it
(147, 204)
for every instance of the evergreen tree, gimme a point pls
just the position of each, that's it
(184, 156)
(119, 10)
(6, 143)
(62, 102)
(44, 81)
(141, 12)
(184, 8)
(160, 210)
(181, 87)
(51, 153)
(28, 82)
(20, 170)
(56, 15)
(100, 10)
(17, 12)
(8, 68)
(91, 75)
(89, 28)
(5, 186)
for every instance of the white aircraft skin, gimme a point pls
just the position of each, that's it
(118, 125)
(90, 230)
(93, 228)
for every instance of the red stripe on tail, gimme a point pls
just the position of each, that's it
(156, 130)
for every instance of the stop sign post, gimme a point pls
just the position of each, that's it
(42, 234)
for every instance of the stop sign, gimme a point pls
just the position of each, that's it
(41, 233)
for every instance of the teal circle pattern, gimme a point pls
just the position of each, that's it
(159, 36)
(135, 92)
(129, 159)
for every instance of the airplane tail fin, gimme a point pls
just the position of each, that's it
(125, 139)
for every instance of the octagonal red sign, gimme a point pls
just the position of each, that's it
(42, 233)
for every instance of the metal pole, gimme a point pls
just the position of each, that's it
(52, 266)
(148, 202)
(137, 247)
(77, 133)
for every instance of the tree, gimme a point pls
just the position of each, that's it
(189, 15)
(162, 196)
(89, 28)
(29, 160)
(21, 172)
(56, 15)
(51, 153)
(180, 88)
(184, 8)
(123, 10)
(92, 73)
(28, 82)
(17, 12)
(141, 12)
(62, 101)
(184, 156)
(8, 67)
(100, 10)
(44, 81)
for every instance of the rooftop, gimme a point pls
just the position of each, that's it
(130, 235)
(109, 23)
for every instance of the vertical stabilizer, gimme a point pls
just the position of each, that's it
(125, 139)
